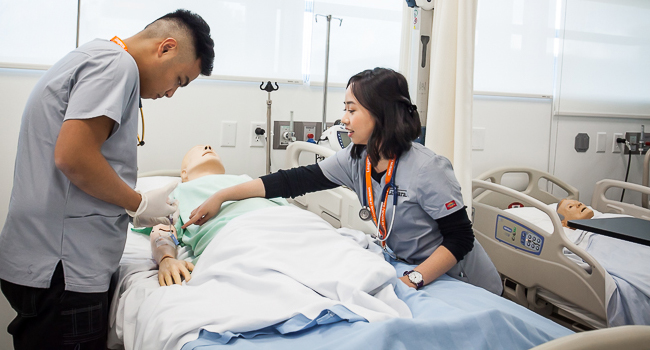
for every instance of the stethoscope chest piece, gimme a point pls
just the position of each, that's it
(364, 214)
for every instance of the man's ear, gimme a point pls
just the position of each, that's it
(167, 46)
(183, 175)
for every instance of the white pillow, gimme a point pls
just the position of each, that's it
(537, 217)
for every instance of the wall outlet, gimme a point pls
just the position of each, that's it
(257, 140)
(616, 147)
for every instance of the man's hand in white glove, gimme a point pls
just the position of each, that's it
(155, 207)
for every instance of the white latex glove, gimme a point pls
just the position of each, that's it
(155, 207)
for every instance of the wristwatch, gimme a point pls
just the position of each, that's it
(415, 278)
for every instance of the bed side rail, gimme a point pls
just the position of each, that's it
(339, 206)
(532, 188)
(605, 205)
(623, 337)
(163, 172)
(550, 269)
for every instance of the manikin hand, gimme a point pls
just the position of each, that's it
(155, 207)
(170, 270)
(205, 211)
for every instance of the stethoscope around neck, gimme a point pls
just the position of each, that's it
(365, 214)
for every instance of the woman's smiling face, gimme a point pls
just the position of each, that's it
(357, 119)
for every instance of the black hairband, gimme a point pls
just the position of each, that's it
(412, 108)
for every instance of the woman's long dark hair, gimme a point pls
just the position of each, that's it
(384, 93)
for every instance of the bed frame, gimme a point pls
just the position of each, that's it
(525, 274)
(339, 206)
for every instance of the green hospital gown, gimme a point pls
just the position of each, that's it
(193, 193)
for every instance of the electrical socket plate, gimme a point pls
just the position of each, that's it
(616, 148)
(258, 140)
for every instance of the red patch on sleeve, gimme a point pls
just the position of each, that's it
(450, 205)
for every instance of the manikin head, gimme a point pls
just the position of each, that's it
(571, 209)
(199, 161)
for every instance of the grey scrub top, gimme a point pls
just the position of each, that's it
(50, 219)
(427, 191)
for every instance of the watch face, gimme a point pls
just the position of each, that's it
(415, 277)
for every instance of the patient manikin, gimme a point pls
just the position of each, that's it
(571, 209)
(202, 173)
(199, 161)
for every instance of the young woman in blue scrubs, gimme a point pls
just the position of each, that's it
(408, 191)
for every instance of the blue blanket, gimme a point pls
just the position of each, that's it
(629, 265)
(447, 314)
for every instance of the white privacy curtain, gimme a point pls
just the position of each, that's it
(449, 121)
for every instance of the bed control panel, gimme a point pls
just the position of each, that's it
(517, 235)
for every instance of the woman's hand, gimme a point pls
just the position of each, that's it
(205, 211)
(170, 270)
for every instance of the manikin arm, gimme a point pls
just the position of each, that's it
(163, 250)
(210, 208)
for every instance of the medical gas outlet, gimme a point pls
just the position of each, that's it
(282, 132)
(637, 142)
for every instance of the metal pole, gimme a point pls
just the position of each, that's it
(268, 135)
(327, 63)
(78, 20)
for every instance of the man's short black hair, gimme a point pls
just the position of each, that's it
(200, 32)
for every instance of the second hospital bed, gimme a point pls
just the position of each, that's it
(446, 314)
(553, 276)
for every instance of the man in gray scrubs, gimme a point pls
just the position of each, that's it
(74, 176)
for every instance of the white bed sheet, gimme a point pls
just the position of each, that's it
(255, 257)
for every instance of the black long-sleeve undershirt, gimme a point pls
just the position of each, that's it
(455, 228)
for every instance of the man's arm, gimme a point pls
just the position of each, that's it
(78, 155)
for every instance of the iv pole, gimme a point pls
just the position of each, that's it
(269, 88)
(327, 62)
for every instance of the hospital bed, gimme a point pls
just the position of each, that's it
(541, 267)
(446, 314)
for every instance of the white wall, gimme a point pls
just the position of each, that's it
(584, 169)
(517, 132)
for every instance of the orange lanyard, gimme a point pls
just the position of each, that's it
(120, 42)
(371, 203)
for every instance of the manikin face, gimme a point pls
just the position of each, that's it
(574, 210)
(199, 161)
(167, 70)
(357, 119)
